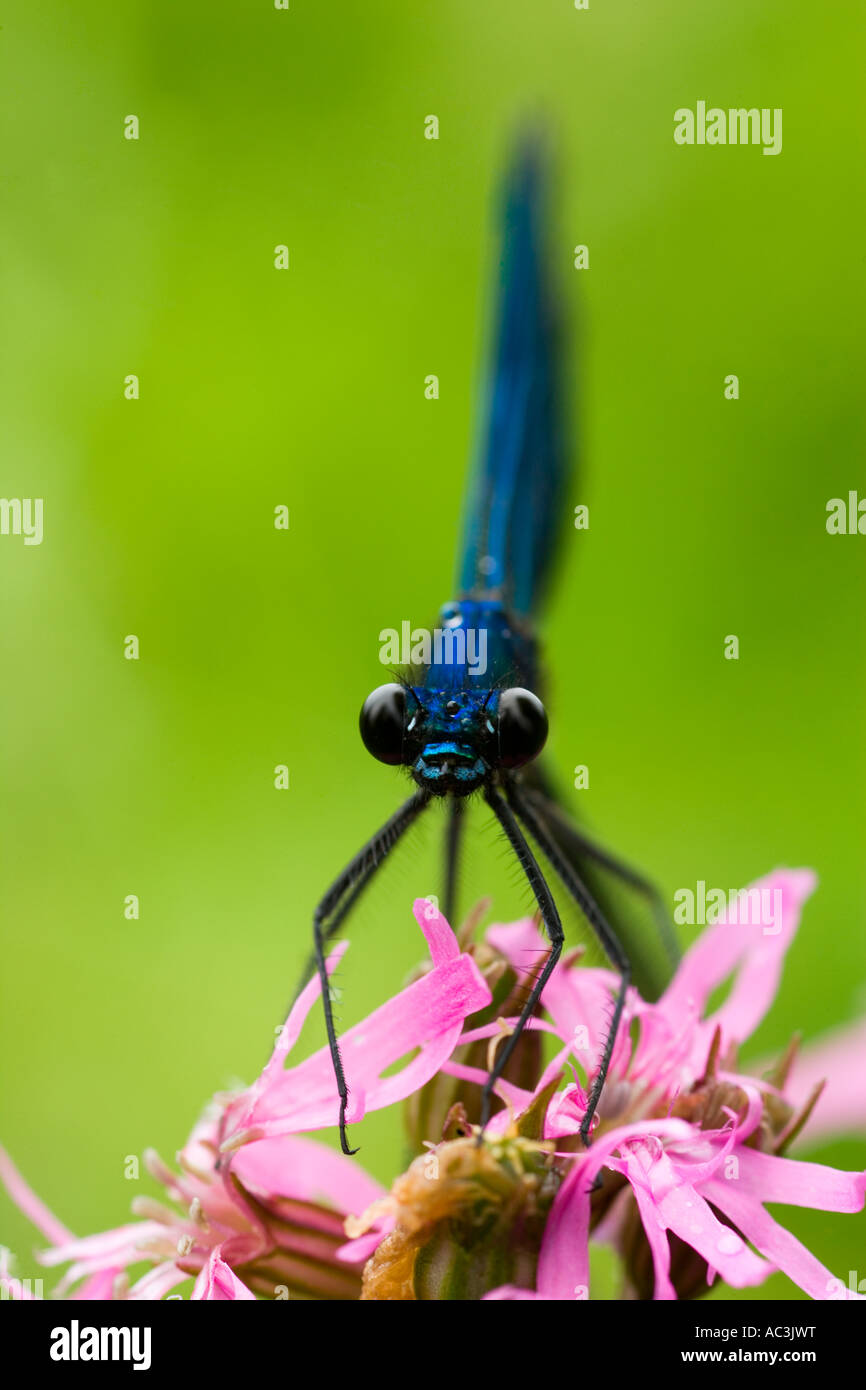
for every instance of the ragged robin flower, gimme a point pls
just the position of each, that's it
(688, 1148)
(257, 1209)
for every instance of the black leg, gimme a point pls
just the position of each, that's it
(605, 933)
(456, 809)
(342, 893)
(544, 799)
(334, 924)
(393, 828)
(553, 927)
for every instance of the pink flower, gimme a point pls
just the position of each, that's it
(258, 1210)
(687, 1151)
(686, 1146)
(838, 1057)
(269, 1223)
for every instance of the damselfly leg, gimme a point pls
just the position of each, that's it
(604, 932)
(552, 925)
(333, 907)
(577, 847)
(453, 841)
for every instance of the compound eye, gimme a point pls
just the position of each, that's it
(383, 716)
(522, 727)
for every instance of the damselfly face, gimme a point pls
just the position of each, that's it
(453, 741)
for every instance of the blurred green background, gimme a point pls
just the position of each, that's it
(306, 388)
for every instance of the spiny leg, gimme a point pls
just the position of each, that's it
(605, 933)
(385, 839)
(553, 927)
(453, 836)
(361, 868)
(334, 926)
(544, 798)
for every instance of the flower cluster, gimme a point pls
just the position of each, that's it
(687, 1151)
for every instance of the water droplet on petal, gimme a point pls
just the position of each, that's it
(730, 1245)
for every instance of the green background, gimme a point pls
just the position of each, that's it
(306, 388)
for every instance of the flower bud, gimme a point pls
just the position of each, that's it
(470, 1217)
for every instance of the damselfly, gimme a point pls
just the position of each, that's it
(464, 727)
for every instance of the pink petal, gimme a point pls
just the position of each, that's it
(306, 1171)
(655, 1231)
(682, 1210)
(563, 1263)
(218, 1284)
(565, 1112)
(99, 1287)
(521, 943)
(32, 1206)
(359, 1250)
(121, 1246)
(428, 1014)
(239, 1111)
(516, 1096)
(838, 1058)
(709, 1148)
(665, 1043)
(492, 1030)
(291, 1029)
(441, 941)
(156, 1283)
(757, 952)
(770, 1179)
(775, 1242)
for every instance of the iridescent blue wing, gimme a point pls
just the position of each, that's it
(516, 502)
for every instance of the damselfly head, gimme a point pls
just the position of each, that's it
(453, 741)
